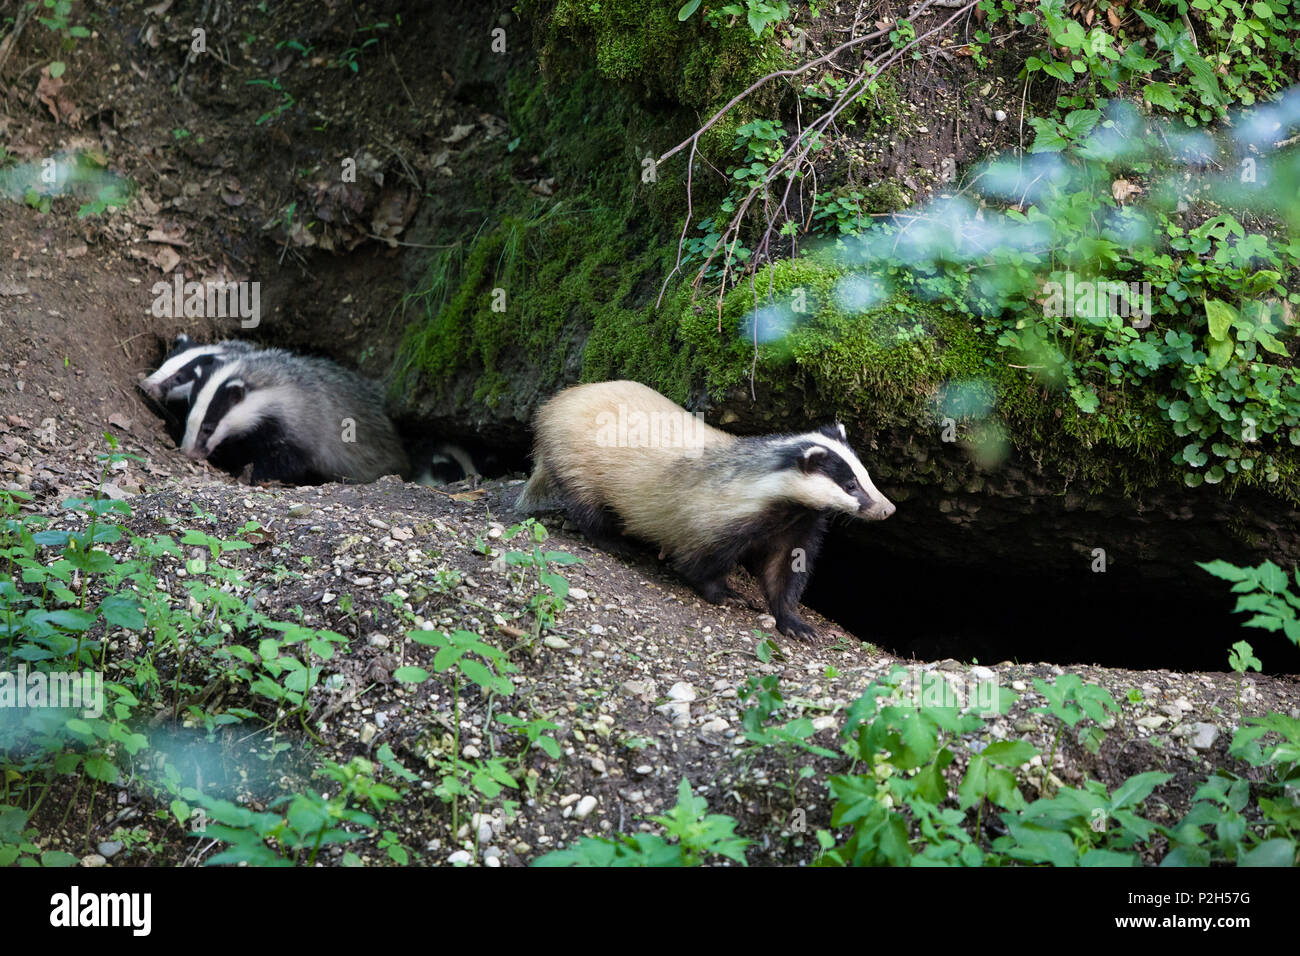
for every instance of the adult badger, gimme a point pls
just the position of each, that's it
(174, 384)
(295, 419)
(621, 451)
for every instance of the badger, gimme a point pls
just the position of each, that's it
(618, 456)
(447, 462)
(295, 419)
(187, 363)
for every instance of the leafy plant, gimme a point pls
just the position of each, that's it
(545, 606)
(758, 14)
(56, 16)
(1265, 834)
(699, 835)
(1241, 659)
(1265, 591)
(287, 99)
(790, 738)
(467, 657)
(308, 823)
(1069, 700)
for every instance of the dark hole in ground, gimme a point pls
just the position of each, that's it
(928, 611)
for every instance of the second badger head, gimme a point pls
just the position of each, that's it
(185, 367)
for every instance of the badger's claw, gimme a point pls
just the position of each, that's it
(792, 626)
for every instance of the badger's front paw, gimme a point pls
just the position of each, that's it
(793, 626)
(716, 592)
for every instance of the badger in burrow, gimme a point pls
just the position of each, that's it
(445, 463)
(174, 384)
(709, 500)
(295, 419)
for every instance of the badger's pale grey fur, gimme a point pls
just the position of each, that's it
(295, 418)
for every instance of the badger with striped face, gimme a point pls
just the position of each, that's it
(707, 499)
(444, 463)
(176, 381)
(186, 364)
(294, 419)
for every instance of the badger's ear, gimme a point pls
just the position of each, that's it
(835, 431)
(811, 458)
(181, 341)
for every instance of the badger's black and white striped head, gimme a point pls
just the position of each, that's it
(233, 401)
(818, 469)
(446, 463)
(186, 366)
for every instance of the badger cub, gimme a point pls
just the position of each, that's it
(618, 456)
(295, 419)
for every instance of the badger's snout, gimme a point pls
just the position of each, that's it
(878, 510)
(150, 389)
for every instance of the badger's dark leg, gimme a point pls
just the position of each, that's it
(277, 458)
(783, 564)
(707, 573)
(283, 462)
(599, 527)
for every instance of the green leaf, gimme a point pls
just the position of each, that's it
(57, 858)
(57, 69)
(1059, 70)
(1108, 858)
(1137, 788)
(411, 675)
(1009, 753)
(1225, 571)
(122, 610)
(1081, 122)
(97, 768)
(1220, 352)
(688, 8)
(1276, 852)
(1221, 317)
(1160, 94)
(1269, 342)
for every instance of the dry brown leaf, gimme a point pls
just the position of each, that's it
(49, 91)
(168, 236)
(300, 235)
(458, 133)
(393, 211)
(166, 258)
(1122, 189)
(474, 495)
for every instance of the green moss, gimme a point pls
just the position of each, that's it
(643, 44)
